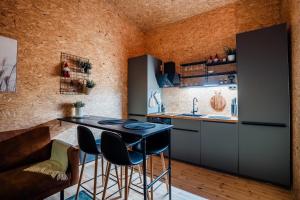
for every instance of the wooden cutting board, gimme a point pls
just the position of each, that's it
(218, 102)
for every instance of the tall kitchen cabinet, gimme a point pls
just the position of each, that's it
(142, 85)
(264, 105)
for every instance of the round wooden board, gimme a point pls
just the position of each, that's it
(218, 102)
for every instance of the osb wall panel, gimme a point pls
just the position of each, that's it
(294, 8)
(206, 34)
(156, 13)
(92, 29)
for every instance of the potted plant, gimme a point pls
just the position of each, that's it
(81, 64)
(88, 67)
(230, 52)
(78, 108)
(85, 66)
(90, 84)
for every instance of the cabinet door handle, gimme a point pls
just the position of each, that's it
(182, 129)
(264, 124)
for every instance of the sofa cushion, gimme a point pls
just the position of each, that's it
(29, 147)
(19, 184)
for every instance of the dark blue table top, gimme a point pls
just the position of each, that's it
(92, 121)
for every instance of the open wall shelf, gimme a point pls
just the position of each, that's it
(207, 64)
(211, 74)
(202, 73)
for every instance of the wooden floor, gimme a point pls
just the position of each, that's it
(207, 184)
(220, 186)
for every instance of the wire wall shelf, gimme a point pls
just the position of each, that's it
(73, 76)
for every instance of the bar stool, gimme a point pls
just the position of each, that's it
(155, 145)
(115, 151)
(88, 145)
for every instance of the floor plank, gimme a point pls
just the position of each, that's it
(220, 186)
(191, 182)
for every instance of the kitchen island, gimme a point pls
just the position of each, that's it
(96, 122)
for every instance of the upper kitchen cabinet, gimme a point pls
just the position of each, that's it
(144, 93)
(263, 70)
(264, 104)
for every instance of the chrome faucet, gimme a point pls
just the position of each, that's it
(195, 100)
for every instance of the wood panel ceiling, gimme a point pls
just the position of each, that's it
(150, 14)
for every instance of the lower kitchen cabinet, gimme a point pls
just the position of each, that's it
(185, 140)
(264, 153)
(219, 146)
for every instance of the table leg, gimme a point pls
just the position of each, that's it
(169, 167)
(144, 168)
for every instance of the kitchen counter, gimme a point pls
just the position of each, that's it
(202, 118)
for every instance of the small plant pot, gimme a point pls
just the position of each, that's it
(79, 112)
(231, 58)
(88, 90)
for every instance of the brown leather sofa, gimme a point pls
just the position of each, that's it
(24, 149)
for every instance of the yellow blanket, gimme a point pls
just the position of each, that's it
(57, 165)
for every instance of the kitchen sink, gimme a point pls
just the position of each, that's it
(218, 117)
(190, 115)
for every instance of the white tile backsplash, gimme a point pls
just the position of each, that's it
(180, 100)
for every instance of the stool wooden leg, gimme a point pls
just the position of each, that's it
(95, 177)
(151, 175)
(130, 179)
(162, 158)
(106, 180)
(140, 173)
(102, 169)
(126, 182)
(80, 177)
(118, 181)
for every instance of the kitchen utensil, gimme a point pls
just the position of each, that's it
(218, 102)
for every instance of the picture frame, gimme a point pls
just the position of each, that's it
(8, 64)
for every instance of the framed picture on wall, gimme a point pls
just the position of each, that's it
(8, 64)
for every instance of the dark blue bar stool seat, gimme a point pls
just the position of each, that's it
(88, 145)
(155, 145)
(116, 152)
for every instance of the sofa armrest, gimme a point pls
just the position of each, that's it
(73, 158)
(28, 147)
